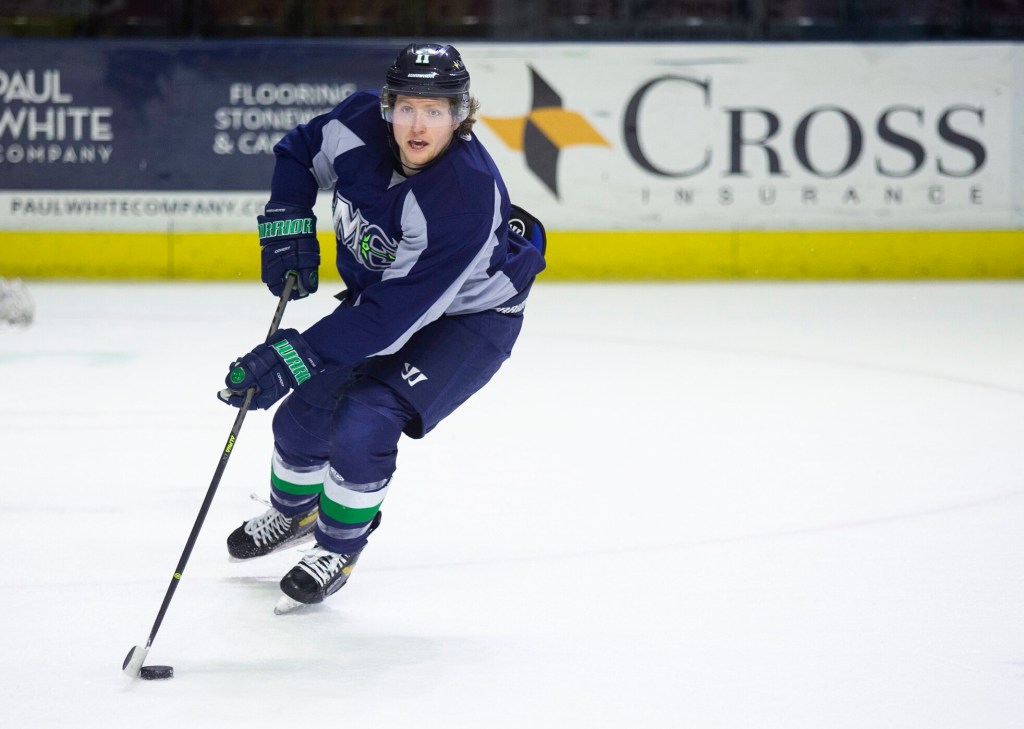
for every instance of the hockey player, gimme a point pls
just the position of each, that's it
(436, 287)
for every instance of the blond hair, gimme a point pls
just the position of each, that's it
(466, 126)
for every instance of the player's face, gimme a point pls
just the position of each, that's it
(423, 129)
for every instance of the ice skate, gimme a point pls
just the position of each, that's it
(318, 574)
(271, 531)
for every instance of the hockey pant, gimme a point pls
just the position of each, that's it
(336, 437)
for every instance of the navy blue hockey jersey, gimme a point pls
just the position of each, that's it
(410, 249)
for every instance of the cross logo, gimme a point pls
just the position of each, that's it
(412, 375)
(545, 131)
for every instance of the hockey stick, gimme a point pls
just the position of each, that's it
(137, 655)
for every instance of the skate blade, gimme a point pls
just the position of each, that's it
(286, 604)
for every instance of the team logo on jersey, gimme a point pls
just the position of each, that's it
(546, 130)
(369, 244)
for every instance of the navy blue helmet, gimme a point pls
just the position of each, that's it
(431, 70)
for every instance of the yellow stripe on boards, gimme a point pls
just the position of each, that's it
(138, 255)
(572, 256)
(658, 255)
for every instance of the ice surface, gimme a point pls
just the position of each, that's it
(699, 505)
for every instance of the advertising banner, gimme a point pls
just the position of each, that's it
(741, 137)
(158, 134)
(665, 160)
(592, 137)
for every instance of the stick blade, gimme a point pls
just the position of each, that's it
(133, 661)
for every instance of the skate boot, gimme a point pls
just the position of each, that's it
(318, 575)
(271, 531)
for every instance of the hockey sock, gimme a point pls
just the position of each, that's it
(346, 512)
(294, 488)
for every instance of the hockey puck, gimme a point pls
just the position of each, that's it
(156, 673)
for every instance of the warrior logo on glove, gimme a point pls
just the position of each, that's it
(277, 228)
(291, 358)
(273, 368)
(289, 245)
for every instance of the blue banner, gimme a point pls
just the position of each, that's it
(166, 115)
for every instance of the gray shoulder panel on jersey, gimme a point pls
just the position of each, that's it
(471, 291)
(337, 140)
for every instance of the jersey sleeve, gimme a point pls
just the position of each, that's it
(305, 155)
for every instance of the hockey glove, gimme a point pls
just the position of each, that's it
(288, 238)
(283, 362)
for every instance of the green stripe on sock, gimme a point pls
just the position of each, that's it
(346, 514)
(298, 489)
